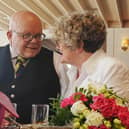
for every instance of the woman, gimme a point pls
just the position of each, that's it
(80, 38)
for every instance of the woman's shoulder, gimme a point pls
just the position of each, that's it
(112, 65)
(111, 61)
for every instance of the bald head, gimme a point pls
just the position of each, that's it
(23, 19)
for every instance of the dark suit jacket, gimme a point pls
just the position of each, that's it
(36, 85)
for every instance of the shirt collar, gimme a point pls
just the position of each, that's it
(13, 53)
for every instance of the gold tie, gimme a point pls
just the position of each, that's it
(19, 63)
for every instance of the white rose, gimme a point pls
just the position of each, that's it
(94, 118)
(78, 107)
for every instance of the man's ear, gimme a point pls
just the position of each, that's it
(9, 35)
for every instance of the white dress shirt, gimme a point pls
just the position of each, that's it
(99, 69)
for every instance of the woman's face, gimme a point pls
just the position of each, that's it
(68, 55)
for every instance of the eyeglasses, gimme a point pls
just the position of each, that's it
(28, 36)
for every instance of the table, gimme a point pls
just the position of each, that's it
(45, 127)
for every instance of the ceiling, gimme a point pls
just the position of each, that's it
(114, 12)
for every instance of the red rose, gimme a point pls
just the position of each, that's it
(92, 127)
(98, 102)
(72, 99)
(65, 103)
(124, 117)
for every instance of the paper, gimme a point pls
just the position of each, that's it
(7, 105)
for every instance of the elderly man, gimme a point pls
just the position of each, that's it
(27, 73)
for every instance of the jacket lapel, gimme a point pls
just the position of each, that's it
(6, 67)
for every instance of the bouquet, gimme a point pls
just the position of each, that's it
(92, 108)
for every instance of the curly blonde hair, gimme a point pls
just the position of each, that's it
(85, 27)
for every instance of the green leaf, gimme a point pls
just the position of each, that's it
(61, 116)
